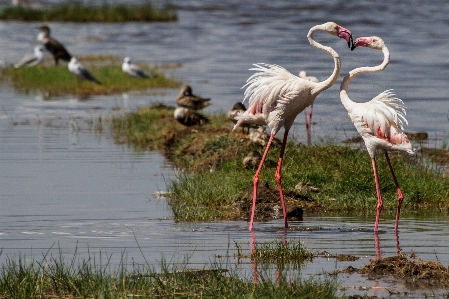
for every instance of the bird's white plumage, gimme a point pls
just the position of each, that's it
(303, 75)
(380, 123)
(32, 59)
(132, 69)
(275, 97)
(76, 68)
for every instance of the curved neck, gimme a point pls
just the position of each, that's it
(358, 71)
(323, 85)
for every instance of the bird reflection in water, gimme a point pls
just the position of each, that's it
(377, 245)
(280, 266)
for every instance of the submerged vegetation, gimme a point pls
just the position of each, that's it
(321, 177)
(53, 80)
(77, 11)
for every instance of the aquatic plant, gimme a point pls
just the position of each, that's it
(77, 11)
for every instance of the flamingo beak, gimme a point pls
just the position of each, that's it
(347, 35)
(351, 42)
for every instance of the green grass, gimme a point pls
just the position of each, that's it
(58, 277)
(214, 177)
(57, 80)
(76, 11)
(278, 252)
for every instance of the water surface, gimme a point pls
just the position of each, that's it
(64, 186)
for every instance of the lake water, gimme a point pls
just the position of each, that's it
(65, 187)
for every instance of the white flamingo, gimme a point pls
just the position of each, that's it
(378, 121)
(308, 116)
(276, 97)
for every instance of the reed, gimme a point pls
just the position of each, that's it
(214, 176)
(53, 80)
(77, 11)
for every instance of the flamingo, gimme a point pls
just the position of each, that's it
(276, 97)
(52, 45)
(379, 121)
(308, 116)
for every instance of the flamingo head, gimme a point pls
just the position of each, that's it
(341, 32)
(373, 42)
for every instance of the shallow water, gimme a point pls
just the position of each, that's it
(64, 186)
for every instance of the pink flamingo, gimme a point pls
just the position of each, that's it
(308, 116)
(276, 97)
(378, 121)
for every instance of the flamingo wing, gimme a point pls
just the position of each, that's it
(269, 88)
(382, 117)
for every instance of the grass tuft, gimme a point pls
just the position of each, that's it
(57, 277)
(57, 80)
(214, 176)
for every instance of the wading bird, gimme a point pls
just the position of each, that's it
(276, 97)
(308, 116)
(186, 98)
(52, 45)
(32, 59)
(379, 121)
(80, 71)
(132, 69)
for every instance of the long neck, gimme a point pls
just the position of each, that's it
(358, 71)
(323, 85)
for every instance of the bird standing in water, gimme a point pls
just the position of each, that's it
(276, 97)
(379, 121)
(52, 45)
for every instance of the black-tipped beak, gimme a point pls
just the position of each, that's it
(351, 43)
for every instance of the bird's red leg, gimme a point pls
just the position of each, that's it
(400, 196)
(309, 129)
(377, 245)
(256, 181)
(279, 177)
(379, 196)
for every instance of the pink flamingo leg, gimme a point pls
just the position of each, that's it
(400, 196)
(256, 181)
(377, 246)
(308, 121)
(379, 196)
(399, 249)
(279, 177)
